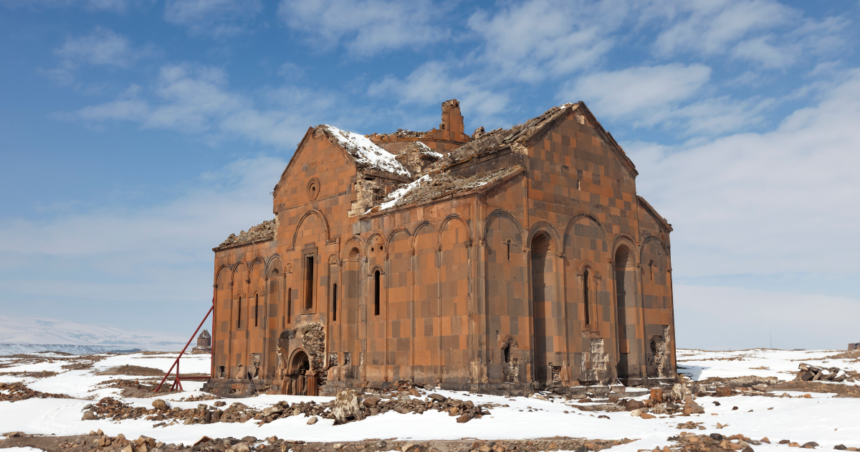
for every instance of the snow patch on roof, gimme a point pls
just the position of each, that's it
(427, 151)
(365, 152)
(395, 196)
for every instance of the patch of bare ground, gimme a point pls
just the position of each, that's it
(814, 386)
(25, 374)
(133, 371)
(98, 441)
(14, 392)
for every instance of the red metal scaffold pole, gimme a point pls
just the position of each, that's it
(176, 382)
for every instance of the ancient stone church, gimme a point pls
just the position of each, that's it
(507, 261)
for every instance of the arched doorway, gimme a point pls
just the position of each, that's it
(543, 295)
(625, 306)
(302, 380)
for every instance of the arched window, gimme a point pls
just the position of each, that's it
(256, 309)
(334, 302)
(376, 292)
(309, 282)
(239, 317)
(585, 296)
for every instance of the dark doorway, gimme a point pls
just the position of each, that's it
(543, 293)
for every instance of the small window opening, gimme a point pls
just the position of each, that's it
(309, 282)
(289, 304)
(376, 292)
(256, 310)
(334, 302)
(509, 250)
(577, 184)
(239, 317)
(585, 296)
(506, 352)
(651, 270)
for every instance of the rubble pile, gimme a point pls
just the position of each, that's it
(13, 392)
(348, 406)
(814, 373)
(263, 231)
(98, 441)
(678, 401)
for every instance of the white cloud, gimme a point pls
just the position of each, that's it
(766, 203)
(197, 100)
(366, 26)
(712, 27)
(720, 318)
(216, 17)
(764, 32)
(118, 6)
(142, 254)
(101, 47)
(432, 83)
(638, 90)
(545, 38)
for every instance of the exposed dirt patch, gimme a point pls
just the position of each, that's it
(814, 386)
(42, 374)
(133, 371)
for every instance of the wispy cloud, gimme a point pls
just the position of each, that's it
(101, 47)
(540, 39)
(212, 17)
(118, 6)
(366, 27)
(197, 100)
(763, 203)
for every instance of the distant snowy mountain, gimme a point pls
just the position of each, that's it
(27, 335)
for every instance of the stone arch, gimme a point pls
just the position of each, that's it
(455, 217)
(370, 240)
(298, 359)
(589, 216)
(645, 242)
(501, 213)
(545, 226)
(302, 220)
(222, 268)
(274, 263)
(396, 231)
(237, 268)
(354, 242)
(623, 240)
(417, 230)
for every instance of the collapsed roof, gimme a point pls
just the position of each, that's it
(436, 180)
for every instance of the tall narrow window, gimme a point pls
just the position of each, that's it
(256, 309)
(376, 292)
(509, 250)
(585, 296)
(239, 317)
(289, 304)
(309, 282)
(334, 302)
(651, 270)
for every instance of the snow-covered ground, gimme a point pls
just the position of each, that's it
(822, 418)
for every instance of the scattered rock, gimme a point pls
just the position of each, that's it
(312, 420)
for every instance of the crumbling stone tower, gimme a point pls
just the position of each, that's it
(510, 261)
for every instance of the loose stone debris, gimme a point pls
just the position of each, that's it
(98, 441)
(13, 392)
(348, 406)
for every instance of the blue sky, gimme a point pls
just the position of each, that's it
(138, 134)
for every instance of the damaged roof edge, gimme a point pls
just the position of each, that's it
(663, 221)
(517, 170)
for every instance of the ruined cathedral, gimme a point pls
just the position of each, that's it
(509, 261)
